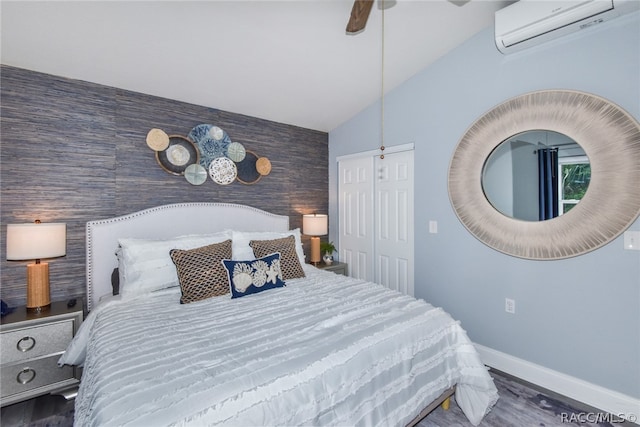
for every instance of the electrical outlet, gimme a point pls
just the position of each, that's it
(510, 305)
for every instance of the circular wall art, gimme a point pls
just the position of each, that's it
(195, 174)
(157, 139)
(179, 154)
(212, 142)
(236, 152)
(263, 166)
(223, 170)
(247, 172)
(207, 151)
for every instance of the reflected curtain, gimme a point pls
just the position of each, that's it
(548, 183)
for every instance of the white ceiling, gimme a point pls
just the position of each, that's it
(286, 61)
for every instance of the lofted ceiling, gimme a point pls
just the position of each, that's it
(286, 61)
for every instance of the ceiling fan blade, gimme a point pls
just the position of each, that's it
(359, 15)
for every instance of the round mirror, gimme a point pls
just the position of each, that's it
(610, 138)
(536, 175)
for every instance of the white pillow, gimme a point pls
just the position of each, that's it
(145, 265)
(241, 251)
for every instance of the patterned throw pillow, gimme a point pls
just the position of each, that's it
(251, 277)
(200, 271)
(290, 264)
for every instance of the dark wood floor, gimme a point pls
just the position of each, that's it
(520, 405)
(44, 411)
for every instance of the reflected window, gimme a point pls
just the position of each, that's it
(536, 175)
(575, 173)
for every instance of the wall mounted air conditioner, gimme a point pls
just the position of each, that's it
(530, 22)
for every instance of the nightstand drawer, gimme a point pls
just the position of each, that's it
(22, 377)
(35, 341)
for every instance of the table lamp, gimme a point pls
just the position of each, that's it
(36, 241)
(314, 225)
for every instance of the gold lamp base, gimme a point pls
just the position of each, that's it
(38, 295)
(315, 250)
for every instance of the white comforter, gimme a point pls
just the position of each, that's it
(325, 350)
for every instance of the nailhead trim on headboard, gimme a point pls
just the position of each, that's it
(227, 216)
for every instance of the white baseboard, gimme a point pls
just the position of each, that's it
(593, 395)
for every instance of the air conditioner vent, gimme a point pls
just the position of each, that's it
(530, 22)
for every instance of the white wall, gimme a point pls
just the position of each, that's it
(579, 316)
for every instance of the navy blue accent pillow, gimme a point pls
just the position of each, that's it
(251, 277)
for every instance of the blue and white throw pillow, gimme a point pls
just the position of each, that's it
(251, 277)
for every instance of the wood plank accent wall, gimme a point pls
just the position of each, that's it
(73, 151)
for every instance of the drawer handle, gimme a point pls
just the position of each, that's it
(26, 376)
(25, 344)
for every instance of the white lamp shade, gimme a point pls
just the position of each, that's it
(314, 225)
(36, 241)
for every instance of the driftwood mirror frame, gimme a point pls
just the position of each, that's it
(610, 138)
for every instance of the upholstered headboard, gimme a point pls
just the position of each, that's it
(163, 222)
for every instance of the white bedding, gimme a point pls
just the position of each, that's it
(325, 350)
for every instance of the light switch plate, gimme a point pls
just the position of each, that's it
(632, 240)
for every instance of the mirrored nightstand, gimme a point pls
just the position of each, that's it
(31, 346)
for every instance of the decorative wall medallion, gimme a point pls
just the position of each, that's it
(212, 142)
(223, 170)
(180, 153)
(263, 166)
(207, 151)
(247, 172)
(216, 133)
(157, 139)
(195, 174)
(236, 152)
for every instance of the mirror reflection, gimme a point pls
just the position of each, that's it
(536, 175)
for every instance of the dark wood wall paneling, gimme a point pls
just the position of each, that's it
(73, 151)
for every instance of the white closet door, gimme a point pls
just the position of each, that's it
(376, 217)
(394, 221)
(356, 216)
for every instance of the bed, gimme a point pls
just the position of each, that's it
(297, 346)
